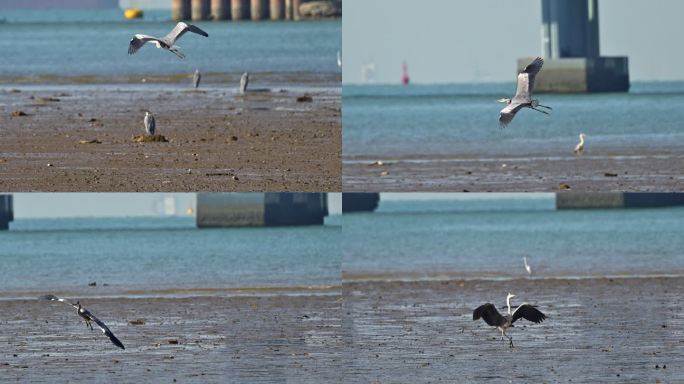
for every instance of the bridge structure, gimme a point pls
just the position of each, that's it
(6, 211)
(571, 51)
(247, 9)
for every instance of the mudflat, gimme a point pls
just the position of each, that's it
(255, 339)
(598, 330)
(628, 169)
(79, 135)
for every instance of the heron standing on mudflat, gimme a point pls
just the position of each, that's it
(579, 148)
(244, 81)
(523, 94)
(150, 124)
(167, 42)
(88, 317)
(492, 317)
(196, 78)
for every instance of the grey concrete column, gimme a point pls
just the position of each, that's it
(259, 9)
(180, 10)
(570, 28)
(220, 9)
(288, 9)
(239, 9)
(295, 9)
(277, 9)
(200, 10)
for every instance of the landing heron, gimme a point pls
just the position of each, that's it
(167, 42)
(492, 317)
(579, 148)
(150, 124)
(244, 81)
(88, 318)
(196, 78)
(523, 95)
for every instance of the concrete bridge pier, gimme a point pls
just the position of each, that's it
(295, 9)
(259, 9)
(6, 211)
(570, 47)
(200, 10)
(220, 9)
(239, 9)
(277, 9)
(180, 10)
(288, 9)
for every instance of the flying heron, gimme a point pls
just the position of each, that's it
(527, 266)
(579, 148)
(244, 81)
(150, 125)
(492, 317)
(523, 95)
(167, 42)
(196, 78)
(88, 317)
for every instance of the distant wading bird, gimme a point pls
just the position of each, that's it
(196, 78)
(579, 148)
(523, 95)
(167, 42)
(244, 81)
(88, 317)
(492, 317)
(150, 124)
(527, 266)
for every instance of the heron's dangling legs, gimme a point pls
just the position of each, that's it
(89, 325)
(543, 106)
(539, 110)
(510, 339)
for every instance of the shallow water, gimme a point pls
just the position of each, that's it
(428, 121)
(157, 254)
(66, 42)
(489, 237)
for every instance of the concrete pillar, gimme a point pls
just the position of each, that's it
(220, 9)
(288, 9)
(295, 9)
(259, 9)
(570, 28)
(277, 9)
(239, 9)
(200, 10)
(180, 10)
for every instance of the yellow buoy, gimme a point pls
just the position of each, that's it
(133, 13)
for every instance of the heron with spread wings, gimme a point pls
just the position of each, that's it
(88, 317)
(523, 94)
(167, 42)
(491, 316)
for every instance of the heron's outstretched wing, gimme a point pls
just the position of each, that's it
(508, 113)
(138, 41)
(526, 79)
(489, 314)
(104, 329)
(528, 312)
(55, 298)
(179, 30)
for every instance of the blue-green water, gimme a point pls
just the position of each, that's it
(147, 254)
(489, 237)
(426, 121)
(67, 42)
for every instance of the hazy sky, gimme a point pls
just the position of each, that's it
(453, 41)
(51, 205)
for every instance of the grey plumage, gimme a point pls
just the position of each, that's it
(244, 81)
(88, 317)
(492, 317)
(150, 124)
(196, 78)
(523, 94)
(167, 42)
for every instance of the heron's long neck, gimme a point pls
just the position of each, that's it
(508, 304)
(581, 140)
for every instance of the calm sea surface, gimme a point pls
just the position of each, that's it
(71, 43)
(426, 121)
(489, 237)
(67, 254)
